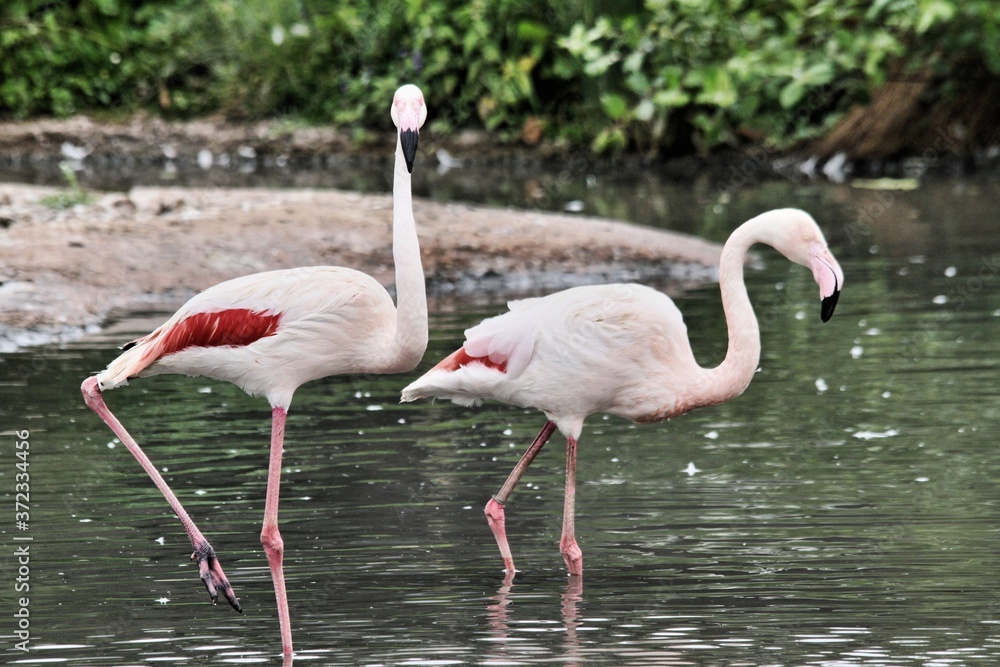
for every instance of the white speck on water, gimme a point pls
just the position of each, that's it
(874, 331)
(204, 390)
(200, 492)
(401, 420)
(467, 507)
(357, 394)
(922, 479)
(800, 315)
(508, 431)
(574, 206)
(940, 299)
(111, 445)
(160, 540)
(872, 435)
(306, 498)
(950, 272)
(886, 394)
(857, 351)
(86, 520)
(373, 408)
(712, 435)
(691, 469)
(615, 459)
(821, 385)
(163, 600)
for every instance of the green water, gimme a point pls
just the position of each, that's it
(843, 511)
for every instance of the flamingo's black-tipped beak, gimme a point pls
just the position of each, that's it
(829, 303)
(828, 275)
(408, 141)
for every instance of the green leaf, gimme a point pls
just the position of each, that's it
(609, 139)
(644, 110)
(791, 94)
(933, 11)
(817, 75)
(532, 31)
(674, 97)
(614, 106)
(717, 88)
(600, 64)
(633, 63)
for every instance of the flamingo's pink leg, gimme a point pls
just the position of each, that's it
(567, 544)
(274, 546)
(494, 508)
(208, 565)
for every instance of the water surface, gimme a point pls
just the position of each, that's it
(843, 511)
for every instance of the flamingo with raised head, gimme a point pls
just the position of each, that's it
(271, 332)
(618, 349)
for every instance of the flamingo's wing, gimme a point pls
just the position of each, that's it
(241, 311)
(508, 340)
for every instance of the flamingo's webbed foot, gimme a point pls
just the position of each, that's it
(212, 575)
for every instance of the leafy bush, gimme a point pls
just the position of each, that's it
(649, 74)
(776, 70)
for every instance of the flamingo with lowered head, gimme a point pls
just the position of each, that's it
(271, 332)
(618, 349)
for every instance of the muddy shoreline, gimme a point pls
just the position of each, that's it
(65, 272)
(31, 150)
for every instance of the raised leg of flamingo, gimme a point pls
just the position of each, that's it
(494, 508)
(208, 565)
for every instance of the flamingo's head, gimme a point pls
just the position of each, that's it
(799, 238)
(408, 113)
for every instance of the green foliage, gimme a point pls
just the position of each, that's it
(649, 74)
(778, 69)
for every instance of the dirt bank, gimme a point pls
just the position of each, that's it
(64, 271)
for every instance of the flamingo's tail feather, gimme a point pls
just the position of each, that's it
(467, 386)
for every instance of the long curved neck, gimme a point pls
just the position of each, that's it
(410, 339)
(732, 376)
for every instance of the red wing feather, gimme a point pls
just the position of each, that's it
(460, 358)
(235, 327)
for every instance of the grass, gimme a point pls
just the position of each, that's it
(72, 195)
